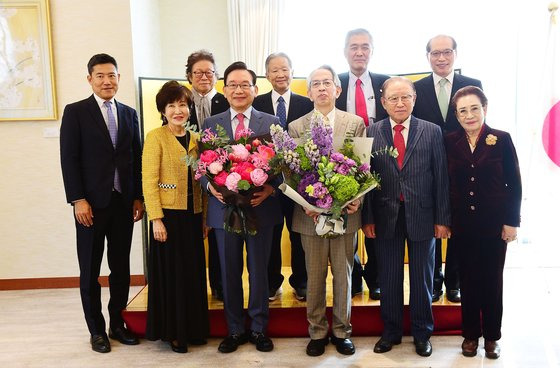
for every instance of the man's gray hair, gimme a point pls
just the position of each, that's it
(325, 67)
(358, 31)
(275, 55)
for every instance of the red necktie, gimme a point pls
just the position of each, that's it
(399, 144)
(361, 109)
(240, 126)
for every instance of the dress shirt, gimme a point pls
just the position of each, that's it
(276, 96)
(367, 88)
(100, 102)
(404, 132)
(235, 122)
(448, 86)
(330, 116)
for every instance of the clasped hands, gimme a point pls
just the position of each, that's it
(258, 197)
(350, 209)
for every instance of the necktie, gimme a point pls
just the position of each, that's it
(204, 110)
(112, 126)
(281, 111)
(443, 98)
(361, 109)
(399, 145)
(240, 126)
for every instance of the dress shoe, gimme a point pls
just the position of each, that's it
(492, 349)
(453, 296)
(384, 345)
(436, 295)
(181, 349)
(301, 294)
(375, 293)
(423, 348)
(124, 336)
(469, 347)
(100, 343)
(198, 342)
(317, 347)
(343, 345)
(262, 342)
(230, 343)
(274, 293)
(357, 290)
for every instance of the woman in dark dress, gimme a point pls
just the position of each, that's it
(485, 192)
(177, 296)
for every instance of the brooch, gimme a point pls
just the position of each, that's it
(491, 139)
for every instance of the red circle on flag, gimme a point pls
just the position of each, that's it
(551, 134)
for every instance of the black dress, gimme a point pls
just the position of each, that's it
(177, 295)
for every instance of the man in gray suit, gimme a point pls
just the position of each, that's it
(412, 205)
(240, 91)
(323, 86)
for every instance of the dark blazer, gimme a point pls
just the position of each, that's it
(219, 104)
(423, 182)
(269, 212)
(377, 81)
(485, 185)
(88, 158)
(299, 106)
(427, 108)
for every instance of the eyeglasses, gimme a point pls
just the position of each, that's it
(326, 82)
(393, 100)
(209, 74)
(474, 110)
(446, 53)
(243, 86)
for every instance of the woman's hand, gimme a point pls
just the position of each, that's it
(160, 233)
(509, 233)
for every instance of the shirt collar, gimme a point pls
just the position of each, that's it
(449, 78)
(246, 113)
(286, 96)
(210, 95)
(101, 101)
(353, 78)
(405, 124)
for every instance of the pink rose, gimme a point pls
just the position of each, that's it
(208, 156)
(239, 153)
(215, 167)
(232, 180)
(259, 177)
(220, 179)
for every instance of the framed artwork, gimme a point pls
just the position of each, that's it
(26, 61)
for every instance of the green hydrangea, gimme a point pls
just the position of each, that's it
(343, 188)
(305, 163)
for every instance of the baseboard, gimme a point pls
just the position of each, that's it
(59, 282)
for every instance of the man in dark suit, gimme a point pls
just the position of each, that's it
(287, 106)
(432, 104)
(361, 95)
(100, 152)
(412, 205)
(240, 90)
(202, 75)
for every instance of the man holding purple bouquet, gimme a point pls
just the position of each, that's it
(323, 87)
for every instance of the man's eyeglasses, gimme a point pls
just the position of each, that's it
(437, 53)
(464, 112)
(393, 100)
(326, 82)
(209, 74)
(243, 86)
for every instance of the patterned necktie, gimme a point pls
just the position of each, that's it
(204, 110)
(113, 131)
(281, 111)
(361, 109)
(240, 126)
(443, 98)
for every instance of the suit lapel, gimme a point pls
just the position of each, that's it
(98, 119)
(432, 98)
(225, 122)
(340, 123)
(292, 111)
(413, 137)
(457, 84)
(255, 122)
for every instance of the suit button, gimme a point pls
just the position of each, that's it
(471, 193)
(472, 208)
(472, 178)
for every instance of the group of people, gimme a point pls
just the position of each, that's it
(454, 178)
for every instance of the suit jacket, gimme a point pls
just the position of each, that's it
(165, 175)
(377, 81)
(299, 106)
(483, 205)
(427, 108)
(423, 181)
(269, 212)
(88, 158)
(345, 125)
(218, 104)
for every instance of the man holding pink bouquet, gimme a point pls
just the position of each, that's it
(237, 123)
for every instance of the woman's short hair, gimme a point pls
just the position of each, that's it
(170, 92)
(469, 90)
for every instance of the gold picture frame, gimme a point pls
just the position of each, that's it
(26, 61)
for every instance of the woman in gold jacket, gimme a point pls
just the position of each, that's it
(177, 296)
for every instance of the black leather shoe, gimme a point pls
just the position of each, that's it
(383, 345)
(357, 290)
(230, 343)
(124, 336)
(375, 293)
(453, 296)
(178, 348)
(436, 295)
(301, 294)
(343, 345)
(262, 342)
(100, 343)
(423, 348)
(274, 293)
(316, 347)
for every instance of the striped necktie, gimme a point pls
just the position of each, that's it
(113, 132)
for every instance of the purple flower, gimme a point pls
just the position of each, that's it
(309, 178)
(364, 167)
(325, 202)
